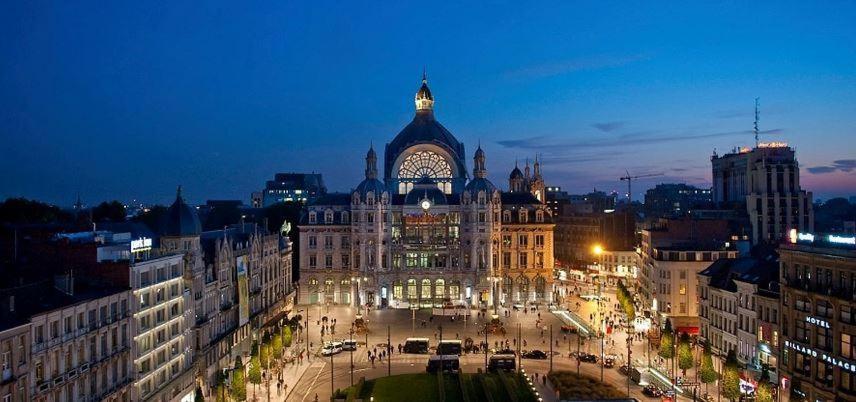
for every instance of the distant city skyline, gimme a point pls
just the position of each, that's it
(132, 100)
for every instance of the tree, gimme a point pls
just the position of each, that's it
(22, 210)
(731, 377)
(198, 397)
(264, 355)
(239, 383)
(765, 390)
(276, 346)
(113, 211)
(685, 353)
(221, 392)
(286, 339)
(707, 373)
(255, 374)
(667, 341)
(220, 388)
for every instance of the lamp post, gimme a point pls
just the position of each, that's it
(388, 355)
(629, 360)
(352, 354)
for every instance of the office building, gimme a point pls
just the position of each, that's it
(293, 187)
(765, 183)
(674, 200)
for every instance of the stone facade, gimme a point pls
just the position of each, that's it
(427, 235)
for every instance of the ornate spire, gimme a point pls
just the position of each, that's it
(371, 163)
(424, 100)
(479, 169)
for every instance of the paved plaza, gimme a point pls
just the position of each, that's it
(304, 380)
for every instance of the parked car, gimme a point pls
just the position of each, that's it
(588, 358)
(608, 362)
(506, 352)
(331, 348)
(534, 354)
(624, 369)
(349, 344)
(652, 391)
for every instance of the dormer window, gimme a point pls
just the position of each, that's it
(313, 218)
(524, 215)
(506, 216)
(328, 217)
(344, 216)
(539, 216)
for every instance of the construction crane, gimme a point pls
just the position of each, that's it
(630, 179)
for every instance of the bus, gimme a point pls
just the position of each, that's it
(449, 347)
(449, 363)
(502, 363)
(416, 345)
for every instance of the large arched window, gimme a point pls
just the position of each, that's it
(426, 289)
(424, 164)
(411, 289)
(439, 289)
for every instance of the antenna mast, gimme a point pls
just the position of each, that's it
(757, 115)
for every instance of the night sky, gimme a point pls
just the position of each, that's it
(130, 100)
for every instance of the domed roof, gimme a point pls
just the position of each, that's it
(180, 219)
(424, 129)
(480, 184)
(425, 189)
(367, 185)
(516, 173)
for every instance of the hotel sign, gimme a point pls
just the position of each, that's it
(143, 244)
(818, 322)
(843, 364)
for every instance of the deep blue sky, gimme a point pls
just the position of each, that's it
(129, 100)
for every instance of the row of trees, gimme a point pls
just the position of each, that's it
(625, 300)
(707, 374)
(262, 357)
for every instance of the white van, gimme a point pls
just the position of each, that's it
(331, 348)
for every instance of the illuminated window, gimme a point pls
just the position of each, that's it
(426, 289)
(424, 164)
(683, 289)
(397, 290)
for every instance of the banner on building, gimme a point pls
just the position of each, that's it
(243, 291)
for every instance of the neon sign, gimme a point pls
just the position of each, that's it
(143, 244)
(818, 322)
(841, 239)
(846, 365)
